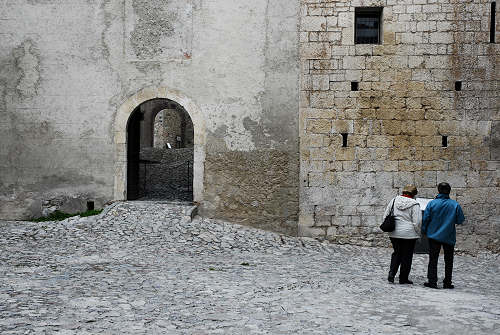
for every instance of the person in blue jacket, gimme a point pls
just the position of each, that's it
(438, 223)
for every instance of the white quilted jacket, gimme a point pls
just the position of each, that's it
(408, 217)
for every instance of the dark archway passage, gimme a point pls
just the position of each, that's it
(160, 152)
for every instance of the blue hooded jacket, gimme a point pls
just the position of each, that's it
(440, 217)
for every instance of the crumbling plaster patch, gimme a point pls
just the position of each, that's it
(159, 29)
(28, 63)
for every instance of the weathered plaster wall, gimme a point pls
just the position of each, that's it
(68, 66)
(55, 113)
(406, 102)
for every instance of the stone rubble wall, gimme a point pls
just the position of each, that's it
(406, 102)
(170, 178)
(257, 188)
(168, 125)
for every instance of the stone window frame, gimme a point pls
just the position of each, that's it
(360, 12)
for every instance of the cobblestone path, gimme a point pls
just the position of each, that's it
(141, 268)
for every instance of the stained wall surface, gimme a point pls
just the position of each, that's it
(395, 123)
(67, 67)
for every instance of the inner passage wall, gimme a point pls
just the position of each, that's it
(375, 117)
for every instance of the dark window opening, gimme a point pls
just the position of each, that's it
(444, 141)
(368, 25)
(493, 21)
(344, 140)
(354, 86)
(90, 205)
(458, 86)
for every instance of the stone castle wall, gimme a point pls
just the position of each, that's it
(395, 123)
(270, 153)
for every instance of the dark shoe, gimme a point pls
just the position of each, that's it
(431, 285)
(390, 279)
(405, 282)
(448, 285)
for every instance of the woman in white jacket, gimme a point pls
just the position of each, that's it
(408, 222)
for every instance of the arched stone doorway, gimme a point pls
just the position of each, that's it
(160, 152)
(128, 127)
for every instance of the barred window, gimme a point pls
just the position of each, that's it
(368, 25)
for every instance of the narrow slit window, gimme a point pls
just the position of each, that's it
(493, 21)
(444, 141)
(458, 86)
(354, 86)
(344, 140)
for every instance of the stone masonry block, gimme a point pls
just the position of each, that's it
(345, 19)
(345, 154)
(404, 178)
(365, 154)
(391, 127)
(319, 126)
(343, 126)
(348, 165)
(322, 99)
(441, 37)
(425, 128)
(332, 23)
(379, 141)
(437, 62)
(313, 23)
(313, 140)
(425, 153)
(313, 232)
(340, 221)
(432, 141)
(409, 165)
(338, 86)
(454, 178)
(390, 166)
(381, 154)
(425, 178)
(320, 82)
(353, 75)
(357, 141)
(371, 166)
(354, 62)
(325, 64)
(371, 75)
(315, 50)
(316, 180)
(401, 154)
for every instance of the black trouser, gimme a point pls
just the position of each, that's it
(402, 255)
(434, 249)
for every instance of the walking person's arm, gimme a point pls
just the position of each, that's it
(459, 215)
(426, 219)
(416, 216)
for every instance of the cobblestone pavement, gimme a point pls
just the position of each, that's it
(140, 268)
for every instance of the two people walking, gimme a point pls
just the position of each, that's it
(438, 223)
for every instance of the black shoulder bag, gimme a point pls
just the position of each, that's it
(389, 223)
